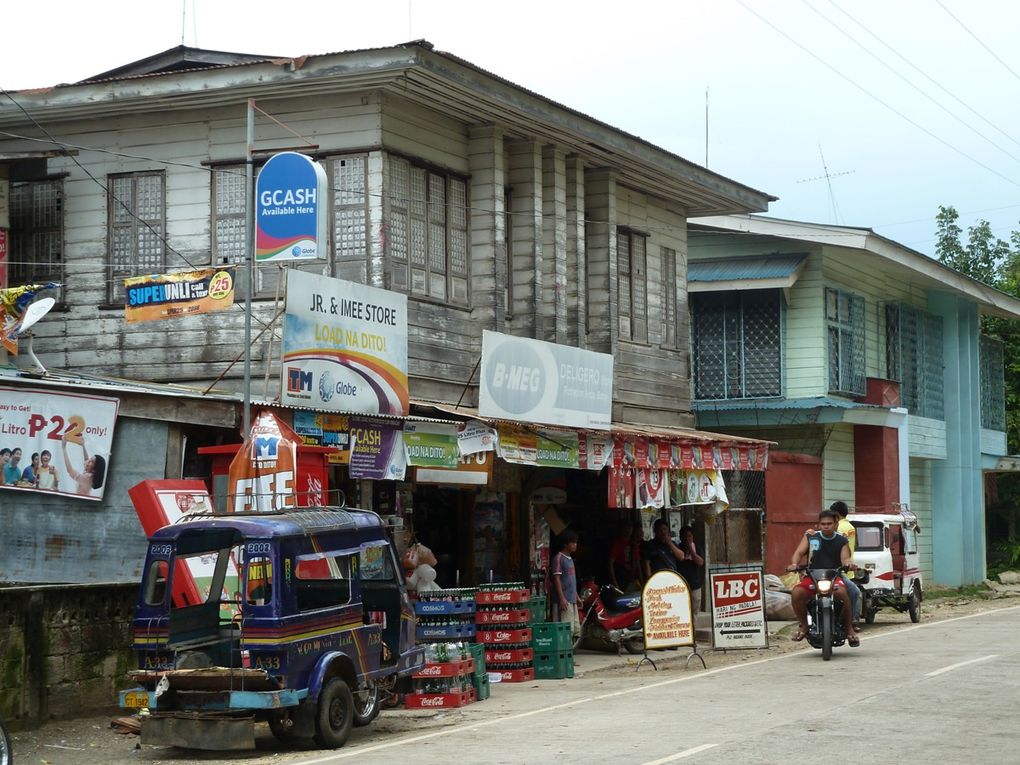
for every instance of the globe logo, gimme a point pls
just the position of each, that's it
(295, 251)
(326, 386)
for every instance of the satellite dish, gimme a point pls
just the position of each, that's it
(34, 312)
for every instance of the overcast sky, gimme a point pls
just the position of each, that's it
(913, 103)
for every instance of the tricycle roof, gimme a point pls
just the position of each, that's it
(294, 523)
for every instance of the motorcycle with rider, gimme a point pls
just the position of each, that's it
(822, 591)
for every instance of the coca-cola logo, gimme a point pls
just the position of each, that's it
(430, 671)
(437, 701)
(501, 596)
(505, 656)
(501, 616)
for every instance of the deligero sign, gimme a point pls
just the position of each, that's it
(535, 381)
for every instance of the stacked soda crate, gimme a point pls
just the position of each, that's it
(480, 678)
(554, 650)
(445, 615)
(503, 619)
(446, 678)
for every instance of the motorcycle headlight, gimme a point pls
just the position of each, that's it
(824, 585)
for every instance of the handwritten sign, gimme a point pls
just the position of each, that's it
(666, 611)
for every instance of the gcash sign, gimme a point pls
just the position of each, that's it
(535, 381)
(290, 209)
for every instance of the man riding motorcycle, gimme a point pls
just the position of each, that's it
(827, 549)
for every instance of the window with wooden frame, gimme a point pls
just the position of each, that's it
(427, 225)
(37, 232)
(844, 314)
(632, 284)
(670, 314)
(137, 228)
(914, 358)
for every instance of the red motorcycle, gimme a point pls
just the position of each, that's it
(609, 618)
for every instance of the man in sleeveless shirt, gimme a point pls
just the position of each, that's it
(826, 548)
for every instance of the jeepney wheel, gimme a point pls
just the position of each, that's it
(366, 704)
(914, 607)
(869, 614)
(335, 715)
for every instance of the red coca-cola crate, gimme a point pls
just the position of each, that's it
(440, 700)
(516, 635)
(509, 655)
(516, 675)
(447, 669)
(499, 597)
(516, 616)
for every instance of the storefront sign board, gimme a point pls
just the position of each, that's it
(377, 450)
(534, 381)
(322, 429)
(72, 435)
(738, 607)
(344, 346)
(471, 470)
(431, 445)
(667, 618)
(290, 209)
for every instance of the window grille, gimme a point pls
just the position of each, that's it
(37, 232)
(670, 316)
(914, 358)
(349, 186)
(427, 242)
(737, 339)
(632, 285)
(844, 313)
(993, 387)
(137, 226)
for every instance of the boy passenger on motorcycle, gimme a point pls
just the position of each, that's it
(827, 549)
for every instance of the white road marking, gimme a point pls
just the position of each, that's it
(357, 751)
(681, 755)
(951, 667)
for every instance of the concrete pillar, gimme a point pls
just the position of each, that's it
(554, 244)
(488, 227)
(958, 513)
(577, 310)
(600, 213)
(525, 172)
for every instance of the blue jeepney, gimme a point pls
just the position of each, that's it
(300, 619)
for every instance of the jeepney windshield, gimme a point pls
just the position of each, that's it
(376, 563)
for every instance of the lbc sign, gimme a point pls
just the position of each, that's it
(290, 209)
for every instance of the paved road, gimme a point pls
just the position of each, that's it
(946, 691)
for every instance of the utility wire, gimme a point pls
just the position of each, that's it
(924, 74)
(933, 100)
(871, 95)
(978, 40)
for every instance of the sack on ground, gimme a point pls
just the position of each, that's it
(779, 606)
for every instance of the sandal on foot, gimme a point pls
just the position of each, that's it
(854, 641)
(797, 636)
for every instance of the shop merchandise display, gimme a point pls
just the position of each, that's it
(503, 619)
(446, 678)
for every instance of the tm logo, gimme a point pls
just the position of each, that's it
(265, 448)
(298, 380)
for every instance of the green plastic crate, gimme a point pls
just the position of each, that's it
(537, 606)
(553, 665)
(551, 636)
(481, 684)
(478, 654)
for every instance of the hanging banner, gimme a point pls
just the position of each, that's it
(557, 449)
(667, 618)
(594, 452)
(698, 487)
(291, 205)
(344, 346)
(652, 487)
(621, 487)
(518, 445)
(471, 470)
(377, 450)
(262, 474)
(322, 429)
(738, 607)
(428, 444)
(534, 381)
(475, 436)
(57, 443)
(168, 296)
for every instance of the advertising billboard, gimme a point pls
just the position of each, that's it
(290, 209)
(344, 346)
(167, 296)
(534, 381)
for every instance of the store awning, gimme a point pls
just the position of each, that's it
(795, 411)
(758, 272)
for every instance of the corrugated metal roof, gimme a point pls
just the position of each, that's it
(778, 404)
(752, 268)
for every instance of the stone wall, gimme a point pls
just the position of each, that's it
(64, 650)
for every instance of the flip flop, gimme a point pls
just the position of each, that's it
(797, 636)
(853, 642)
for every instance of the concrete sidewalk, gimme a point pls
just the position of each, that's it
(587, 662)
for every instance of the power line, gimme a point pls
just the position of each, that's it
(871, 95)
(978, 40)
